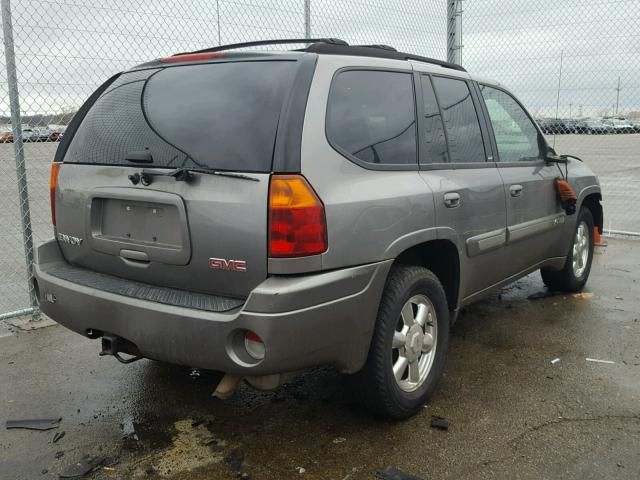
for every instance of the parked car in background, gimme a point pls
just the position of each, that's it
(56, 132)
(569, 125)
(262, 213)
(29, 135)
(547, 125)
(56, 136)
(34, 134)
(41, 134)
(6, 137)
(618, 125)
(592, 126)
(557, 126)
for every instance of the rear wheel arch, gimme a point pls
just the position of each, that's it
(442, 258)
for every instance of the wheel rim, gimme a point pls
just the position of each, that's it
(580, 250)
(414, 343)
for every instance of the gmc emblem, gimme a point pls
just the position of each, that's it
(232, 265)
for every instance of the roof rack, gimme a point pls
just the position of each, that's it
(335, 46)
(378, 45)
(380, 51)
(286, 41)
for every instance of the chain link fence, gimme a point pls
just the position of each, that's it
(576, 66)
(64, 49)
(572, 64)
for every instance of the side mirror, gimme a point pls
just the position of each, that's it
(552, 157)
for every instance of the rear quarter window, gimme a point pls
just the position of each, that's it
(371, 116)
(220, 115)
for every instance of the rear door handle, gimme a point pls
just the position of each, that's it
(135, 256)
(515, 190)
(451, 199)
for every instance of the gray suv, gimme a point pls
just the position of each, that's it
(259, 213)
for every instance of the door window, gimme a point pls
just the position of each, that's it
(460, 120)
(433, 129)
(371, 116)
(517, 137)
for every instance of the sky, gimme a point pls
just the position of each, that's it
(66, 48)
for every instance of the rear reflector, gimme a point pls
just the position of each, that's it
(297, 225)
(192, 57)
(254, 345)
(53, 183)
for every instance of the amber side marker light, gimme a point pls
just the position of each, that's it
(297, 224)
(53, 184)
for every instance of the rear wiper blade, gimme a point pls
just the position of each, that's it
(183, 174)
(178, 172)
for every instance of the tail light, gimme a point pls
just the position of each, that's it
(297, 225)
(53, 183)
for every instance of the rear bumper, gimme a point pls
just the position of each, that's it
(304, 320)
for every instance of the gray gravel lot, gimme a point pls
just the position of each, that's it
(513, 414)
(615, 158)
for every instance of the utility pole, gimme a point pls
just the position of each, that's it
(307, 18)
(618, 95)
(454, 31)
(570, 105)
(218, 20)
(559, 83)
(558, 96)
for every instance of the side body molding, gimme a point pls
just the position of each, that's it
(486, 242)
(528, 229)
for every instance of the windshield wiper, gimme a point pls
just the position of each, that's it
(179, 172)
(183, 174)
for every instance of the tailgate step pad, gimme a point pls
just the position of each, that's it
(143, 291)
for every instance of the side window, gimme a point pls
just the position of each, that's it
(433, 130)
(460, 120)
(516, 136)
(371, 115)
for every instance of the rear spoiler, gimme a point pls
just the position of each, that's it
(78, 117)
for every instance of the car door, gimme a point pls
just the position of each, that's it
(534, 215)
(468, 192)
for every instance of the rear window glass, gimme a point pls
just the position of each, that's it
(371, 115)
(222, 116)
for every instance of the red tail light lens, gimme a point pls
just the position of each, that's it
(53, 184)
(297, 225)
(192, 57)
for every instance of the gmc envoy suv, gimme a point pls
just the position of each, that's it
(259, 213)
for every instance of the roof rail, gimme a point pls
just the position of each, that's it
(335, 46)
(378, 45)
(285, 41)
(380, 51)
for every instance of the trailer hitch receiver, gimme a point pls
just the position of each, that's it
(116, 346)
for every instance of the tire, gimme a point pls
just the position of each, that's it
(574, 275)
(376, 383)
